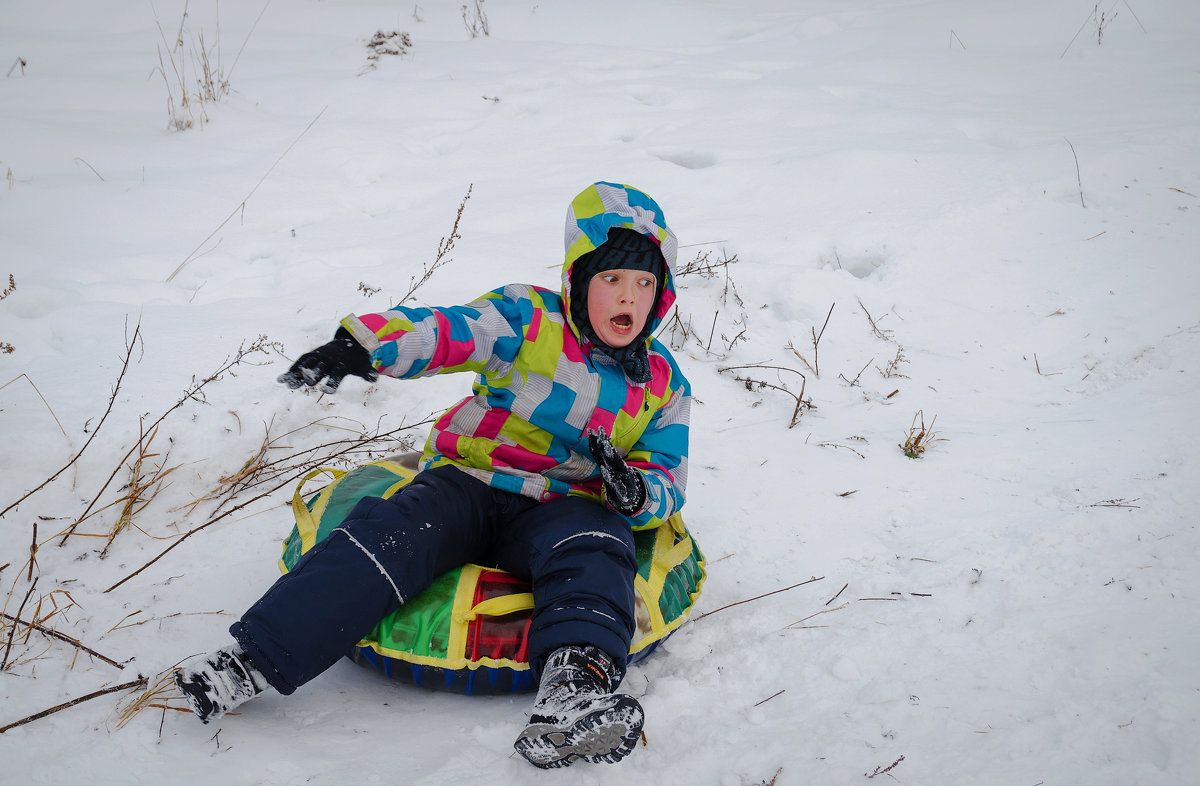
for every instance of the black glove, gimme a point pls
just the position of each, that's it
(331, 362)
(624, 486)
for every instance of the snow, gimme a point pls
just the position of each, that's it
(1017, 606)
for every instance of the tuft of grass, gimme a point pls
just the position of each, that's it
(919, 437)
(5, 347)
(208, 82)
(395, 43)
(475, 20)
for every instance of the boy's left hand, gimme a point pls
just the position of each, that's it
(624, 486)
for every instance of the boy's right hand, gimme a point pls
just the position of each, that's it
(331, 362)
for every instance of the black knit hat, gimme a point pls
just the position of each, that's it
(624, 249)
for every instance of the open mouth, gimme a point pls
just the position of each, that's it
(622, 321)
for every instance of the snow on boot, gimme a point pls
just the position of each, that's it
(577, 715)
(215, 684)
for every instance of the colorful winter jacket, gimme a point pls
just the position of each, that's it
(539, 387)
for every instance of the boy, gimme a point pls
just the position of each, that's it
(576, 433)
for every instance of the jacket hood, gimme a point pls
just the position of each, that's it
(598, 208)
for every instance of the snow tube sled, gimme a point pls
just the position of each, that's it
(468, 632)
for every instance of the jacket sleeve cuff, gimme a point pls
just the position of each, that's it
(362, 334)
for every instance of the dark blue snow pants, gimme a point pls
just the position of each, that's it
(577, 554)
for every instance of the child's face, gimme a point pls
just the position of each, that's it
(618, 303)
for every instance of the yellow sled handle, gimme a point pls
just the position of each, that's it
(306, 520)
(499, 606)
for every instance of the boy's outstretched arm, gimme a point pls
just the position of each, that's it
(331, 362)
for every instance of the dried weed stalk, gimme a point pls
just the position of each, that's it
(815, 366)
(758, 384)
(445, 246)
(885, 335)
(892, 368)
(475, 20)
(194, 392)
(241, 206)
(705, 267)
(211, 79)
(287, 470)
(272, 459)
(144, 485)
(138, 683)
(383, 44)
(130, 343)
(5, 347)
(919, 438)
(156, 696)
(54, 634)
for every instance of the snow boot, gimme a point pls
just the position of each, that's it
(577, 715)
(215, 684)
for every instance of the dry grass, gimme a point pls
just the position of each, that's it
(5, 347)
(383, 44)
(475, 20)
(919, 437)
(156, 696)
(442, 258)
(187, 102)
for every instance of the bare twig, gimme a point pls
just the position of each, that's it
(445, 246)
(757, 597)
(241, 206)
(238, 56)
(1120, 502)
(882, 334)
(12, 631)
(892, 368)
(1038, 366)
(44, 401)
(1078, 178)
(121, 376)
(797, 626)
(61, 637)
(854, 382)
(79, 160)
(1135, 17)
(816, 342)
(191, 393)
(138, 683)
(1087, 19)
(843, 447)
(751, 383)
(839, 594)
(884, 770)
(773, 695)
(290, 476)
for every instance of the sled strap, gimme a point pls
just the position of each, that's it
(499, 606)
(306, 520)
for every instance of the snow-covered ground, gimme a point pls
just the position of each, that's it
(987, 211)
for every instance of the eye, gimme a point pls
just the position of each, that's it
(646, 282)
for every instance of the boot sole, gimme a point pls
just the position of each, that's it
(602, 736)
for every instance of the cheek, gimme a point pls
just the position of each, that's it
(646, 299)
(595, 300)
